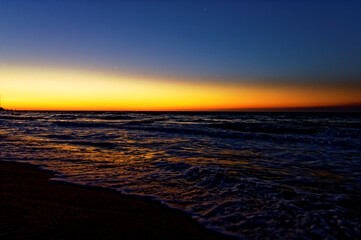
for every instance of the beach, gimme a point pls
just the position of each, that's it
(249, 175)
(32, 207)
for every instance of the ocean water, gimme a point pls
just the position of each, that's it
(252, 175)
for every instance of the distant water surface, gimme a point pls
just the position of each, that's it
(252, 175)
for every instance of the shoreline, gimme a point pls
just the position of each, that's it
(32, 207)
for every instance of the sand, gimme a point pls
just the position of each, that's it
(31, 207)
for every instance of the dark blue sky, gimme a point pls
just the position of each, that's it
(196, 39)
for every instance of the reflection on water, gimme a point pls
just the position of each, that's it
(258, 176)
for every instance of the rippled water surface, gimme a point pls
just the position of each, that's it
(253, 175)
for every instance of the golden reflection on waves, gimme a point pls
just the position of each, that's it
(81, 160)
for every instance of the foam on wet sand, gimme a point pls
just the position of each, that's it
(34, 208)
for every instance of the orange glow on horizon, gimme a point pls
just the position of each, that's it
(54, 89)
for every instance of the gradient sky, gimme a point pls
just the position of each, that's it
(179, 55)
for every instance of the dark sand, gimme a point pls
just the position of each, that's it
(31, 207)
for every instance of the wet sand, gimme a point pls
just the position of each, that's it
(31, 207)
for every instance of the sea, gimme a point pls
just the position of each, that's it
(249, 175)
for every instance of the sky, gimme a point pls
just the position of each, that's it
(179, 55)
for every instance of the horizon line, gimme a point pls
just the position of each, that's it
(356, 107)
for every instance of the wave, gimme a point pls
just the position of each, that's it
(146, 121)
(116, 117)
(93, 124)
(8, 117)
(68, 140)
(101, 144)
(281, 128)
